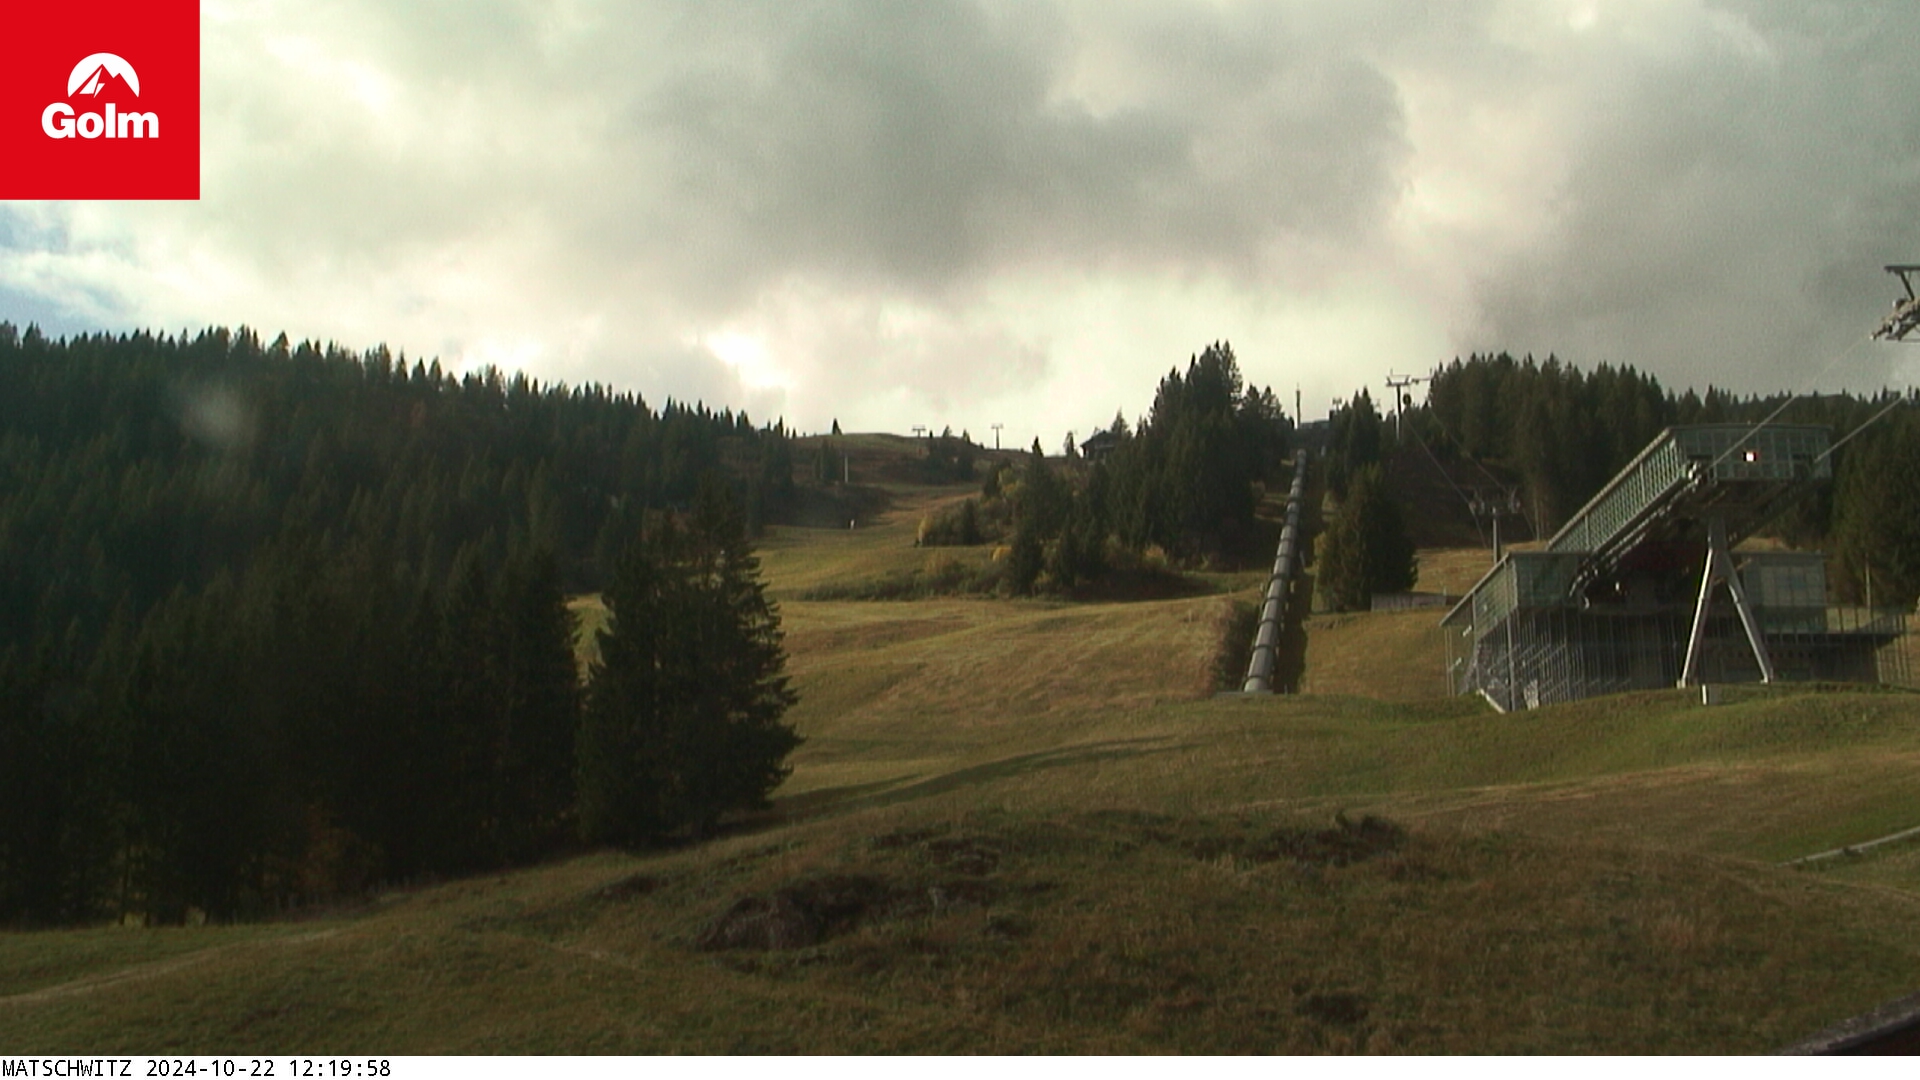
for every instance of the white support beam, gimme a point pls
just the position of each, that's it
(1720, 568)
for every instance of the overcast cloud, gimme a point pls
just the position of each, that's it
(968, 211)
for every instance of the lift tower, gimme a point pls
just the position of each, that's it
(1905, 316)
(1398, 384)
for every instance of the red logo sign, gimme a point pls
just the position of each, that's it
(101, 100)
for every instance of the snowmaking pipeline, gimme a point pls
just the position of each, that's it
(1273, 613)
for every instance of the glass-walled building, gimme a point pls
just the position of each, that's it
(1610, 604)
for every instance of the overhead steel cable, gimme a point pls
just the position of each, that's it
(1473, 510)
(1898, 400)
(1791, 398)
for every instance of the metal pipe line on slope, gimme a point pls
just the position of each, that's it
(1266, 640)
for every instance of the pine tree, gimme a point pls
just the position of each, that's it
(1340, 570)
(1364, 548)
(1025, 560)
(1356, 441)
(1391, 561)
(1877, 525)
(1044, 498)
(543, 706)
(62, 767)
(969, 523)
(1078, 555)
(683, 719)
(511, 697)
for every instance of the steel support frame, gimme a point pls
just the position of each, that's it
(1720, 568)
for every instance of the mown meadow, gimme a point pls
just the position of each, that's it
(1031, 826)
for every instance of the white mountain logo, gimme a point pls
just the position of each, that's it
(90, 75)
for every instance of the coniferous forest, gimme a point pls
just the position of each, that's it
(1182, 482)
(279, 621)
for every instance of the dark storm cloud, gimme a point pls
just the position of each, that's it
(500, 172)
(706, 149)
(1729, 204)
(919, 145)
(867, 209)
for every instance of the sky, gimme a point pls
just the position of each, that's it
(957, 213)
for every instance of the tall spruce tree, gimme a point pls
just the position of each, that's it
(1356, 441)
(1365, 548)
(684, 712)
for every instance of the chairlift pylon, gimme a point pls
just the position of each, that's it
(1905, 316)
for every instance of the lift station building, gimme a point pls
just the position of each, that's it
(1642, 588)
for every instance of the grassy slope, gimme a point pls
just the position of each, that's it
(1062, 844)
